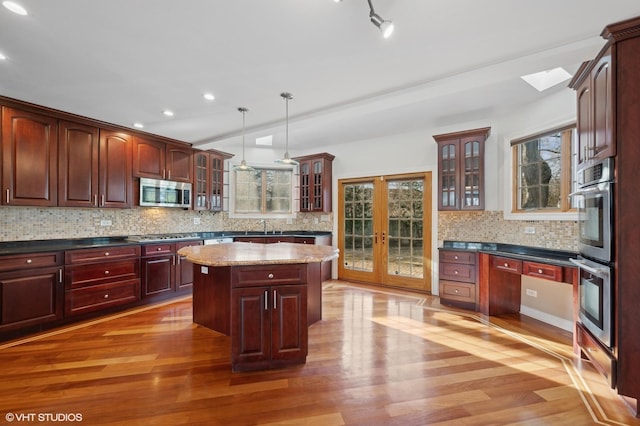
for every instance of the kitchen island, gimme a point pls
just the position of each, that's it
(262, 295)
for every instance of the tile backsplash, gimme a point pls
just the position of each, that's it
(490, 226)
(34, 223)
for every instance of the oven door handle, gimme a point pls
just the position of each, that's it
(583, 192)
(594, 271)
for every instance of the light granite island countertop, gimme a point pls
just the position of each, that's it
(265, 296)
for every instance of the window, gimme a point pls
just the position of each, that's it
(543, 172)
(263, 191)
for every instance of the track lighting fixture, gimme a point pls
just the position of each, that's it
(386, 27)
(243, 164)
(286, 160)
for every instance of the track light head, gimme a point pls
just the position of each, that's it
(386, 27)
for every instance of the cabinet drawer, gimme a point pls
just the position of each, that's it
(458, 272)
(30, 261)
(458, 257)
(459, 292)
(304, 240)
(507, 264)
(602, 360)
(542, 270)
(99, 254)
(153, 249)
(99, 273)
(261, 275)
(102, 296)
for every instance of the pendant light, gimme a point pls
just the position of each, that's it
(286, 160)
(243, 164)
(386, 27)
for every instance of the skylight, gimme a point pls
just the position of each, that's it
(545, 79)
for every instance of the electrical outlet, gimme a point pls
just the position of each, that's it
(196, 221)
(315, 220)
(289, 221)
(325, 218)
(105, 222)
(529, 230)
(531, 293)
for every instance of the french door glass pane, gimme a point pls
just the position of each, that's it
(405, 219)
(358, 227)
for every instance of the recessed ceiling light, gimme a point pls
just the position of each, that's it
(138, 125)
(208, 96)
(168, 113)
(2, 56)
(545, 79)
(15, 8)
(265, 140)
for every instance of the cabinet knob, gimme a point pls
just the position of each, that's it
(159, 248)
(106, 253)
(455, 257)
(106, 296)
(270, 276)
(29, 261)
(456, 290)
(539, 271)
(106, 272)
(455, 272)
(506, 265)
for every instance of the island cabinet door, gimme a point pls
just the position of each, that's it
(250, 326)
(289, 332)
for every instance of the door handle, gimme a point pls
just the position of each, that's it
(275, 300)
(383, 237)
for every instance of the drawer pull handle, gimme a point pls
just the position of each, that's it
(270, 276)
(456, 290)
(455, 257)
(29, 261)
(106, 272)
(539, 271)
(106, 296)
(455, 272)
(106, 253)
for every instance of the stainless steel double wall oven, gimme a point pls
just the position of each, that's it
(595, 198)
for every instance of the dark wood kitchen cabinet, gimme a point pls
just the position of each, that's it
(184, 268)
(461, 169)
(268, 322)
(29, 158)
(160, 160)
(208, 179)
(115, 181)
(101, 278)
(78, 165)
(31, 290)
(315, 182)
(458, 278)
(158, 270)
(595, 115)
(612, 78)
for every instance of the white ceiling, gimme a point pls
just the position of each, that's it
(449, 61)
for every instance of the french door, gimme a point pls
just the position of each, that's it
(384, 230)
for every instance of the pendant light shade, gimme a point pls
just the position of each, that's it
(286, 160)
(243, 164)
(386, 27)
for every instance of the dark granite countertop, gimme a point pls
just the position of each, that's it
(39, 246)
(535, 254)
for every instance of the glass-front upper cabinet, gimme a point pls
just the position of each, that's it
(315, 182)
(461, 169)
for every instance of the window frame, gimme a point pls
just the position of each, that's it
(294, 198)
(510, 211)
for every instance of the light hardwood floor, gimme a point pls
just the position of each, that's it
(378, 357)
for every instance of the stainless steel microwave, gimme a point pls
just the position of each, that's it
(164, 193)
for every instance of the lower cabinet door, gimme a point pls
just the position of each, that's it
(289, 339)
(250, 326)
(29, 298)
(268, 327)
(157, 276)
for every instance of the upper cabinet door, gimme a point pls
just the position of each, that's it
(315, 182)
(179, 163)
(77, 165)
(115, 171)
(603, 141)
(461, 169)
(29, 158)
(148, 158)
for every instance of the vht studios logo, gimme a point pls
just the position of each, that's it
(43, 417)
